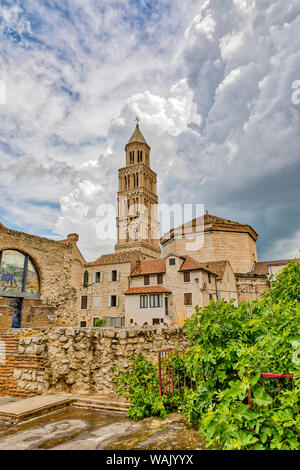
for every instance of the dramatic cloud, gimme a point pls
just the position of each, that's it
(212, 81)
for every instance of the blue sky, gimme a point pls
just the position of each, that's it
(211, 80)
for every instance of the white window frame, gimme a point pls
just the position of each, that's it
(111, 275)
(110, 301)
(144, 301)
(95, 276)
(98, 304)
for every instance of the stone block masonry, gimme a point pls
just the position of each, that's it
(76, 360)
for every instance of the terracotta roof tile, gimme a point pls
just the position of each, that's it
(147, 290)
(150, 267)
(207, 221)
(262, 267)
(190, 264)
(115, 258)
(218, 267)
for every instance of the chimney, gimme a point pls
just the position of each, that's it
(138, 264)
(73, 236)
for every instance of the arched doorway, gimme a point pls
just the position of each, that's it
(19, 280)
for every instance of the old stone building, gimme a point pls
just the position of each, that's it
(218, 239)
(166, 290)
(39, 280)
(104, 283)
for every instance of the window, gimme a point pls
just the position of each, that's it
(155, 321)
(113, 301)
(187, 277)
(144, 301)
(210, 297)
(156, 300)
(83, 324)
(172, 261)
(131, 320)
(84, 302)
(114, 276)
(188, 299)
(160, 279)
(228, 277)
(146, 280)
(98, 277)
(95, 321)
(85, 279)
(209, 278)
(115, 322)
(218, 294)
(18, 274)
(97, 301)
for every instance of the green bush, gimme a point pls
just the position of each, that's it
(140, 386)
(231, 347)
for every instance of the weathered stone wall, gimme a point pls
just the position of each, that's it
(54, 262)
(217, 245)
(251, 286)
(81, 360)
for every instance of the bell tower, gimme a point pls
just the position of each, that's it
(137, 221)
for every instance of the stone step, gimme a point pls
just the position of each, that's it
(34, 407)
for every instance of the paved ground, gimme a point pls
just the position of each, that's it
(78, 429)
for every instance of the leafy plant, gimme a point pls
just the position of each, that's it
(140, 386)
(230, 348)
(99, 322)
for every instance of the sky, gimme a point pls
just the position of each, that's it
(216, 84)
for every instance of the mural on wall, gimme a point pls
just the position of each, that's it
(18, 275)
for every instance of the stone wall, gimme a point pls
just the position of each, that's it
(251, 286)
(54, 262)
(79, 360)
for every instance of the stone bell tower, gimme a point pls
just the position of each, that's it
(137, 221)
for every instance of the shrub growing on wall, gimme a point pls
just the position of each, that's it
(231, 347)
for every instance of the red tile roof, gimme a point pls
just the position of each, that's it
(190, 264)
(150, 267)
(116, 258)
(218, 267)
(207, 222)
(159, 266)
(147, 290)
(262, 267)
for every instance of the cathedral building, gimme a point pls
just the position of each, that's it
(146, 281)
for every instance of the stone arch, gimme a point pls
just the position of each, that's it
(31, 258)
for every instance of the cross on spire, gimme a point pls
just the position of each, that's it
(137, 120)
